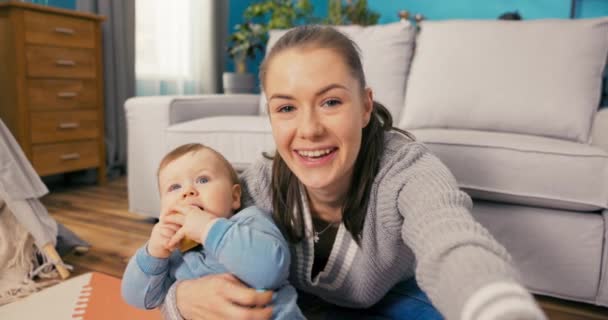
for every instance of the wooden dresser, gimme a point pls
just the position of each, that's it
(51, 86)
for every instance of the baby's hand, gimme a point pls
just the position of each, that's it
(194, 221)
(160, 236)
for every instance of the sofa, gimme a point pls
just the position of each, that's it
(511, 107)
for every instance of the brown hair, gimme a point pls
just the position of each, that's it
(194, 147)
(285, 186)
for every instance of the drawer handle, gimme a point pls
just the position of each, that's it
(70, 156)
(69, 125)
(67, 31)
(67, 95)
(65, 63)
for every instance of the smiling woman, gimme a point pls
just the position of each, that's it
(400, 219)
(318, 130)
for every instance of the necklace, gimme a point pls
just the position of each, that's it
(318, 233)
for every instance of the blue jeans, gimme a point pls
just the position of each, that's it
(404, 301)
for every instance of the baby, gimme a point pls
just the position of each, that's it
(199, 193)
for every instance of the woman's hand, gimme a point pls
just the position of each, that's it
(221, 296)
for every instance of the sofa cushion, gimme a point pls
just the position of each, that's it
(386, 52)
(540, 77)
(241, 139)
(523, 169)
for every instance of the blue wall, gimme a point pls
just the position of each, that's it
(65, 4)
(592, 8)
(447, 9)
(480, 9)
(488, 9)
(474, 9)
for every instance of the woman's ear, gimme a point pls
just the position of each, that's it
(368, 106)
(236, 197)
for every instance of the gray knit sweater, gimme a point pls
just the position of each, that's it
(418, 223)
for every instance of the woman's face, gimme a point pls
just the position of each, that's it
(317, 112)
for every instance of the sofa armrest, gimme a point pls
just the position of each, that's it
(147, 121)
(189, 108)
(599, 132)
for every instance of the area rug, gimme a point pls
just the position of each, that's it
(91, 296)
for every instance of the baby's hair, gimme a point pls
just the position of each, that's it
(194, 147)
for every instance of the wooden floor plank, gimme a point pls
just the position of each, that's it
(99, 214)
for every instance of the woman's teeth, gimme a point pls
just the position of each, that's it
(315, 153)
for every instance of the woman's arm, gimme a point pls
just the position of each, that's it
(226, 298)
(466, 273)
(255, 185)
(146, 280)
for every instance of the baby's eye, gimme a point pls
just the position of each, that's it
(332, 102)
(286, 108)
(202, 180)
(173, 187)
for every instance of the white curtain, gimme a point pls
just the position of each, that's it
(179, 46)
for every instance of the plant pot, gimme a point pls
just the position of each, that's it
(238, 82)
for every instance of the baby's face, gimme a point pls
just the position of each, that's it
(199, 178)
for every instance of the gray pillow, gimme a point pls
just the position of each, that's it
(538, 77)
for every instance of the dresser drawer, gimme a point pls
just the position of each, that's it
(61, 94)
(61, 157)
(63, 126)
(49, 62)
(56, 30)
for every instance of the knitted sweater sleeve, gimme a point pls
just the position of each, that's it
(169, 308)
(256, 183)
(465, 272)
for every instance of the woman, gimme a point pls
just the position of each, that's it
(365, 208)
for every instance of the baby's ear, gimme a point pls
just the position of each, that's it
(236, 197)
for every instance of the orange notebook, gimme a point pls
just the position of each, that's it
(91, 296)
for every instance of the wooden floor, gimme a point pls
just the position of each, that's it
(100, 216)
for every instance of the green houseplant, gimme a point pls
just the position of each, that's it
(244, 42)
(280, 14)
(351, 12)
(250, 37)
(246, 39)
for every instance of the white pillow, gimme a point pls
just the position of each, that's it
(386, 52)
(538, 77)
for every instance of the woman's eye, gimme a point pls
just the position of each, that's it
(332, 102)
(286, 109)
(173, 187)
(202, 180)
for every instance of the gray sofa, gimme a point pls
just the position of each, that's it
(510, 107)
